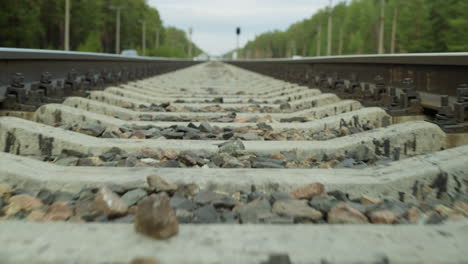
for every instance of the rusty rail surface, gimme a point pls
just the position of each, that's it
(31, 78)
(404, 84)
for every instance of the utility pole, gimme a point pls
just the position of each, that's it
(319, 39)
(190, 31)
(117, 27)
(382, 27)
(67, 25)
(340, 48)
(394, 30)
(238, 32)
(330, 29)
(157, 38)
(143, 38)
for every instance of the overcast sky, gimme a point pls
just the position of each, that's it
(214, 21)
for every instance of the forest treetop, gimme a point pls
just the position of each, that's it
(421, 26)
(40, 24)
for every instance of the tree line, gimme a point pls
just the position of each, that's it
(409, 27)
(41, 24)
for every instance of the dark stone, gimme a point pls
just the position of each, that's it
(118, 189)
(339, 195)
(225, 202)
(231, 147)
(436, 219)
(128, 219)
(2, 204)
(46, 196)
(94, 130)
(192, 136)
(111, 154)
(191, 158)
(285, 106)
(218, 160)
(218, 100)
(205, 127)
(178, 201)
(85, 194)
(86, 162)
(186, 129)
(73, 153)
(173, 135)
(207, 196)
(255, 195)
(229, 217)
(255, 212)
(276, 196)
(206, 215)
(169, 164)
(69, 161)
(289, 155)
(184, 216)
(18, 191)
(323, 203)
(294, 119)
(134, 196)
(266, 164)
(278, 259)
(264, 126)
(146, 118)
(228, 135)
(192, 125)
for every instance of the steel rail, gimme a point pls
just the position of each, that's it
(404, 84)
(30, 78)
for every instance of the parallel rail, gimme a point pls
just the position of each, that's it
(30, 78)
(405, 84)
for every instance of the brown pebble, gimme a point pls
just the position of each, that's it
(109, 203)
(278, 156)
(21, 202)
(58, 211)
(345, 214)
(36, 216)
(156, 218)
(461, 207)
(383, 217)
(138, 135)
(159, 184)
(413, 215)
(365, 199)
(308, 192)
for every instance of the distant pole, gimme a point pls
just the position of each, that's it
(330, 29)
(157, 38)
(382, 27)
(340, 48)
(143, 37)
(394, 30)
(319, 39)
(190, 42)
(238, 32)
(117, 27)
(117, 32)
(67, 25)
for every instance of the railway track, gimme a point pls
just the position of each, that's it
(301, 168)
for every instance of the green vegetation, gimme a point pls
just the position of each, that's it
(40, 24)
(421, 26)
